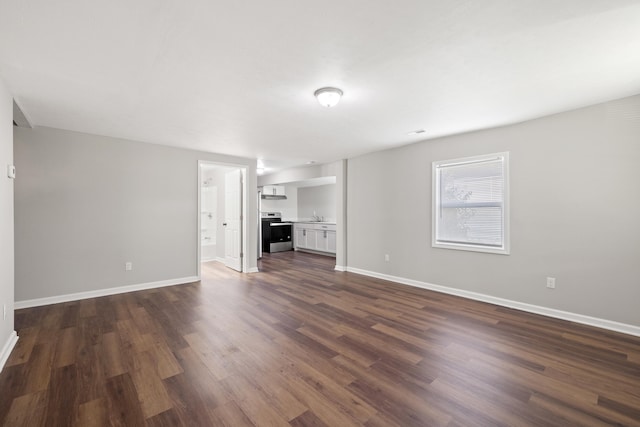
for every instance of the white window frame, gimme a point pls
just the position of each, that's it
(504, 249)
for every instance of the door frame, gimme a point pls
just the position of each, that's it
(243, 197)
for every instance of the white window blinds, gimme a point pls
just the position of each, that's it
(470, 206)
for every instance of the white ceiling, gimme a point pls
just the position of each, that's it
(237, 77)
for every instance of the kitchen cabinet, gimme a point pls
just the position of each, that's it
(273, 190)
(299, 237)
(312, 239)
(331, 241)
(317, 237)
(305, 238)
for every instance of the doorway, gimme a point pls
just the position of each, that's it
(221, 209)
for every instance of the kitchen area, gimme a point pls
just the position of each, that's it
(299, 216)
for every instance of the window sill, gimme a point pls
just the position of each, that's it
(472, 248)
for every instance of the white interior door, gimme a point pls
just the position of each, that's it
(233, 219)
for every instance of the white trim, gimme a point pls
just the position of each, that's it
(545, 311)
(208, 259)
(505, 249)
(340, 268)
(8, 347)
(102, 292)
(253, 270)
(198, 222)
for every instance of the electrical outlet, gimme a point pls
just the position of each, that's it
(386, 257)
(128, 266)
(551, 282)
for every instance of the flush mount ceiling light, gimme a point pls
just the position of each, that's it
(417, 132)
(328, 96)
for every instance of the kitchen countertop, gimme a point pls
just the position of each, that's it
(314, 222)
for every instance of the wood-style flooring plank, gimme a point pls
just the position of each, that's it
(62, 397)
(152, 394)
(27, 410)
(253, 402)
(113, 362)
(65, 352)
(123, 407)
(93, 413)
(307, 419)
(230, 415)
(38, 371)
(168, 418)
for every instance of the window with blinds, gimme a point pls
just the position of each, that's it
(470, 203)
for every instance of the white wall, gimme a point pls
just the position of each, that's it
(7, 336)
(288, 207)
(575, 213)
(318, 200)
(86, 204)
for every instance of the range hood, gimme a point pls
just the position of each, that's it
(273, 192)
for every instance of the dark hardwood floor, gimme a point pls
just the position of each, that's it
(302, 345)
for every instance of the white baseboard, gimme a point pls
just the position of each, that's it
(102, 292)
(311, 251)
(545, 311)
(253, 270)
(6, 349)
(208, 259)
(340, 268)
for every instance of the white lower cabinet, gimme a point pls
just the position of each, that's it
(331, 241)
(299, 237)
(312, 238)
(315, 237)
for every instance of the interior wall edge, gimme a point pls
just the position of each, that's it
(7, 218)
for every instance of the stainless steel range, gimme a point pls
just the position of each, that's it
(276, 235)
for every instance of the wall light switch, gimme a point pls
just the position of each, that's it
(11, 171)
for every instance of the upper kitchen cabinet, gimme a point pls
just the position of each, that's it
(274, 192)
